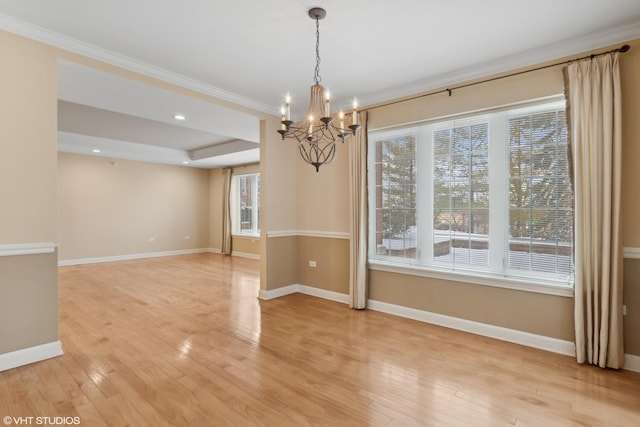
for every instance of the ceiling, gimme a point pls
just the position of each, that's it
(251, 53)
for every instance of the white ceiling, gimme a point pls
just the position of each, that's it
(127, 119)
(253, 52)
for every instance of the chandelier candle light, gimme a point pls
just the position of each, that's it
(317, 134)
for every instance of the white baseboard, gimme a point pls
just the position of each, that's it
(64, 263)
(277, 292)
(631, 362)
(323, 293)
(234, 253)
(245, 255)
(505, 334)
(303, 289)
(30, 355)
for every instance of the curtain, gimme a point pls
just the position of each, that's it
(594, 107)
(358, 216)
(226, 212)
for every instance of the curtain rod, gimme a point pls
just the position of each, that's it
(622, 49)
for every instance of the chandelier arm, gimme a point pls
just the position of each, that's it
(325, 135)
(300, 135)
(315, 155)
(325, 132)
(328, 134)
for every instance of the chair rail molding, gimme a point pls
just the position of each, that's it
(309, 233)
(27, 249)
(631, 253)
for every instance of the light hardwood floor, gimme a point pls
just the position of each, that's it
(184, 341)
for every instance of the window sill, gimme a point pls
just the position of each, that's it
(527, 285)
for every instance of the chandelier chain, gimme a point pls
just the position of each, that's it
(316, 76)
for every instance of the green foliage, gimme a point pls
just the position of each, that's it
(461, 179)
(541, 204)
(396, 184)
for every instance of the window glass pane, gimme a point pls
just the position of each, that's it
(461, 195)
(246, 224)
(246, 210)
(395, 194)
(540, 199)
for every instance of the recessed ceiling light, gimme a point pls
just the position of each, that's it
(179, 117)
(185, 162)
(95, 150)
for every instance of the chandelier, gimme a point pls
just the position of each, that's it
(318, 133)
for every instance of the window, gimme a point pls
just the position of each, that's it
(245, 204)
(485, 195)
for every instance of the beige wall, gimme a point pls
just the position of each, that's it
(525, 87)
(630, 75)
(245, 169)
(289, 258)
(110, 207)
(332, 263)
(28, 301)
(302, 200)
(278, 177)
(281, 262)
(632, 300)
(323, 197)
(278, 201)
(28, 141)
(28, 117)
(547, 315)
(245, 246)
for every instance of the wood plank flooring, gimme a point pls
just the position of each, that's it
(183, 341)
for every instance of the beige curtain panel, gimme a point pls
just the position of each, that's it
(358, 217)
(226, 212)
(593, 106)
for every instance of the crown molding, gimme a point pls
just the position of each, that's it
(524, 59)
(565, 48)
(52, 38)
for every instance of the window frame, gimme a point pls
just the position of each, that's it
(497, 273)
(236, 216)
